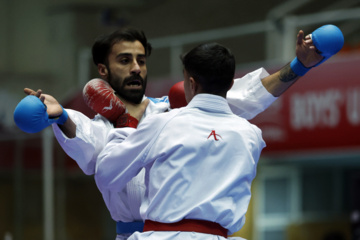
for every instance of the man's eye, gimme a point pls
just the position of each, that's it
(141, 61)
(124, 60)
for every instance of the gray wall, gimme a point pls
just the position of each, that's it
(41, 40)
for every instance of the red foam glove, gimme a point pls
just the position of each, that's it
(101, 98)
(177, 95)
(126, 120)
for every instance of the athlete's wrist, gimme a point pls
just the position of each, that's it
(126, 120)
(59, 119)
(298, 68)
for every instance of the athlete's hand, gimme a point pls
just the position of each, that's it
(133, 115)
(326, 41)
(306, 52)
(137, 110)
(38, 111)
(101, 98)
(54, 108)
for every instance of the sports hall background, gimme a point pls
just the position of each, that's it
(308, 182)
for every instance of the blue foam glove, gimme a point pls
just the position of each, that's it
(298, 68)
(30, 115)
(328, 40)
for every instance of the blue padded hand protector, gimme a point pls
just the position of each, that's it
(328, 40)
(30, 115)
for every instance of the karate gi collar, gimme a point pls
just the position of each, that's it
(210, 103)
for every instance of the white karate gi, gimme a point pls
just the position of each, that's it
(200, 161)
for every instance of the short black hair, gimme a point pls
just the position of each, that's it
(103, 44)
(212, 66)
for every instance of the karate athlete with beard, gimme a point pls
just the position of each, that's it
(121, 61)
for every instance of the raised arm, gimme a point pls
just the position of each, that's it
(311, 51)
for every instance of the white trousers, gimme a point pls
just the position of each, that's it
(172, 235)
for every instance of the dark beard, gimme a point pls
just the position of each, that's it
(133, 96)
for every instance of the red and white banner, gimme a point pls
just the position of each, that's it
(320, 112)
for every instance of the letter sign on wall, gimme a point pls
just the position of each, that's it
(320, 112)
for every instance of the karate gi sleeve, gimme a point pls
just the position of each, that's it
(248, 97)
(125, 154)
(90, 139)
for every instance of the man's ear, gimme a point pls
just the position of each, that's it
(103, 71)
(194, 86)
(232, 83)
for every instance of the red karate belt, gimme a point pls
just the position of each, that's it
(187, 225)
